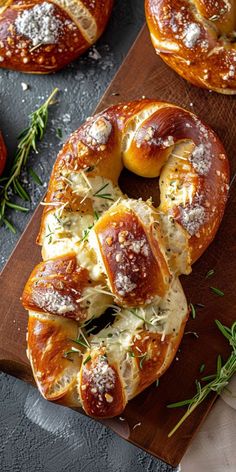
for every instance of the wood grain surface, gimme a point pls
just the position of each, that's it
(147, 421)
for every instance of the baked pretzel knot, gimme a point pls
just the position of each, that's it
(103, 250)
(41, 36)
(197, 39)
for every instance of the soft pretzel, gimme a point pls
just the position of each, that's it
(197, 39)
(39, 36)
(3, 153)
(103, 250)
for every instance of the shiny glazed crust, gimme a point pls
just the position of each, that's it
(103, 250)
(197, 39)
(74, 25)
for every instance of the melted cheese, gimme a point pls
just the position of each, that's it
(165, 317)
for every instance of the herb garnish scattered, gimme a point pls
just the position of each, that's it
(193, 311)
(209, 273)
(87, 231)
(87, 360)
(28, 140)
(73, 350)
(141, 357)
(202, 367)
(217, 382)
(141, 318)
(106, 196)
(217, 291)
(35, 177)
(59, 133)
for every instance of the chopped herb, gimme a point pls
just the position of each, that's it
(141, 318)
(202, 367)
(87, 231)
(73, 350)
(87, 360)
(157, 382)
(106, 196)
(59, 133)
(199, 305)
(35, 177)
(217, 382)
(141, 357)
(209, 273)
(193, 311)
(217, 291)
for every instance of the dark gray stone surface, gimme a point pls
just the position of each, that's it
(35, 435)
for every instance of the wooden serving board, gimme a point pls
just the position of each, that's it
(147, 420)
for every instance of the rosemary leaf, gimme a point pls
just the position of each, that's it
(87, 360)
(217, 291)
(217, 382)
(28, 139)
(202, 367)
(35, 177)
(193, 311)
(209, 273)
(16, 207)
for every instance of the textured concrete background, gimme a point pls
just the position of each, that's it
(35, 435)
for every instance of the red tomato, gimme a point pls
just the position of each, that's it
(3, 154)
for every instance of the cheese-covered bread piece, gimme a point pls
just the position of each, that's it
(197, 39)
(41, 37)
(105, 251)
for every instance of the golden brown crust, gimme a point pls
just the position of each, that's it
(154, 355)
(136, 268)
(69, 40)
(3, 153)
(48, 342)
(56, 286)
(131, 251)
(196, 39)
(101, 391)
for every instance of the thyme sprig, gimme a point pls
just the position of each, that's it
(217, 382)
(27, 142)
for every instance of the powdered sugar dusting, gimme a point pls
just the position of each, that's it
(39, 24)
(201, 159)
(192, 218)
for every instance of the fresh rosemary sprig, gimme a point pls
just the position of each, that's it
(216, 383)
(28, 141)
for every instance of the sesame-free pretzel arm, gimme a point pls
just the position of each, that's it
(102, 249)
(42, 37)
(197, 39)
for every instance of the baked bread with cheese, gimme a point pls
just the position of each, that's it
(41, 37)
(197, 39)
(105, 251)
